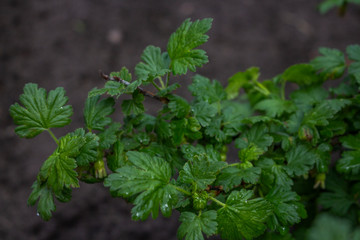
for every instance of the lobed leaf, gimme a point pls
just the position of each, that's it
(155, 64)
(231, 177)
(43, 195)
(287, 208)
(300, 159)
(242, 216)
(41, 111)
(181, 46)
(193, 226)
(96, 112)
(332, 62)
(147, 179)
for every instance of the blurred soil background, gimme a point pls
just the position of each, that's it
(65, 43)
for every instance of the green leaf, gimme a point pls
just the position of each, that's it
(287, 208)
(200, 152)
(134, 105)
(163, 129)
(332, 62)
(43, 195)
(205, 90)
(168, 90)
(322, 161)
(326, 5)
(87, 147)
(300, 159)
(349, 163)
(329, 227)
(204, 112)
(117, 88)
(302, 75)
(337, 198)
(96, 112)
(257, 135)
(59, 169)
(181, 46)
(118, 158)
(156, 64)
(250, 153)
(233, 113)
(324, 111)
(214, 130)
(148, 180)
(351, 141)
(194, 225)
(231, 177)
(353, 52)
(242, 217)
(201, 172)
(179, 106)
(306, 98)
(113, 88)
(275, 107)
(276, 172)
(178, 127)
(41, 111)
(260, 119)
(238, 80)
(109, 135)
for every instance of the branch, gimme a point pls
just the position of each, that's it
(141, 90)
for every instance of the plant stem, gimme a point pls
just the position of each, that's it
(262, 88)
(181, 190)
(142, 91)
(53, 136)
(161, 82)
(155, 85)
(217, 201)
(234, 165)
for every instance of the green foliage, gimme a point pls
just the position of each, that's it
(194, 225)
(326, 5)
(181, 46)
(96, 113)
(243, 217)
(178, 160)
(148, 179)
(41, 111)
(332, 228)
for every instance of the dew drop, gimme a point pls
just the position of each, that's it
(38, 214)
(61, 108)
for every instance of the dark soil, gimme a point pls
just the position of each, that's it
(65, 43)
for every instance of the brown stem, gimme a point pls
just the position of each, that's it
(141, 90)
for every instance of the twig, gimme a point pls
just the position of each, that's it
(141, 90)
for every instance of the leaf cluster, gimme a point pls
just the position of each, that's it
(178, 159)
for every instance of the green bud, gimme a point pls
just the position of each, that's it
(320, 180)
(306, 133)
(99, 167)
(200, 200)
(194, 124)
(246, 165)
(223, 157)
